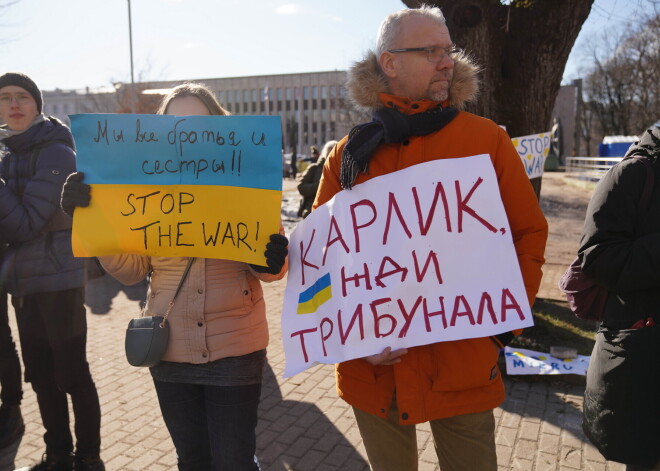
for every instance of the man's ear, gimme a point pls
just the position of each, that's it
(388, 64)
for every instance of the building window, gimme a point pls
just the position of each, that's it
(295, 102)
(315, 93)
(305, 93)
(324, 92)
(288, 93)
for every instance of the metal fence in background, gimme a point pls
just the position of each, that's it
(589, 170)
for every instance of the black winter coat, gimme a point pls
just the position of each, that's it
(309, 185)
(39, 257)
(621, 242)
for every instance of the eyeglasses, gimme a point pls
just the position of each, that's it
(21, 98)
(433, 53)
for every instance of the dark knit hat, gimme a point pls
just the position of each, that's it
(21, 80)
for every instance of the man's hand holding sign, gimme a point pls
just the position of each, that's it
(386, 357)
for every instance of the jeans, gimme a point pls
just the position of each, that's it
(10, 367)
(53, 331)
(212, 427)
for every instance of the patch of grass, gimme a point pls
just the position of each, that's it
(556, 325)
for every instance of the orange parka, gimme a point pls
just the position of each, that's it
(447, 378)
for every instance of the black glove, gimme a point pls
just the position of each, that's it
(75, 193)
(276, 252)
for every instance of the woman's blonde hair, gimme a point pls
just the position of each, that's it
(197, 90)
(327, 148)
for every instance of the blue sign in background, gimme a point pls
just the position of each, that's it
(242, 151)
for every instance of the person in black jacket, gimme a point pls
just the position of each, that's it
(620, 249)
(44, 279)
(309, 183)
(294, 164)
(620, 246)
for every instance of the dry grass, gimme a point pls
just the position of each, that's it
(556, 325)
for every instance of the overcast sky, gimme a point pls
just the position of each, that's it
(77, 43)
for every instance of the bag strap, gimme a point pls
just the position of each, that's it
(648, 184)
(37, 149)
(645, 197)
(178, 288)
(183, 277)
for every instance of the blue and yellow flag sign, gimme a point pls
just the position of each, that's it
(202, 186)
(314, 296)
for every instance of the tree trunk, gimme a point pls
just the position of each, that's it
(522, 50)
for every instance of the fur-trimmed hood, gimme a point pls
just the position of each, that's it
(366, 81)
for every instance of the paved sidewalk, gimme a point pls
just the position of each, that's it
(303, 425)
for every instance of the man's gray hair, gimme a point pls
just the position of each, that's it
(391, 26)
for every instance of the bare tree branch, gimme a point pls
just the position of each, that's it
(622, 90)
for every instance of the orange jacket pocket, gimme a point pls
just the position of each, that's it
(464, 364)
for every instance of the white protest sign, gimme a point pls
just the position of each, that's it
(533, 150)
(419, 256)
(528, 362)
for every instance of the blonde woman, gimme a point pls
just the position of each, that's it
(209, 381)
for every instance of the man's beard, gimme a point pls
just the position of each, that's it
(439, 95)
(435, 94)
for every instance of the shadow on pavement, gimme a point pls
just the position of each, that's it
(100, 292)
(553, 401)
(298, 435)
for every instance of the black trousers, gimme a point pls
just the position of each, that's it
(11, 391)
(53, 332)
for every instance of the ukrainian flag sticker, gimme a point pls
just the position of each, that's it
(314, 296)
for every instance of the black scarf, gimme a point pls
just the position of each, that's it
(388, 125)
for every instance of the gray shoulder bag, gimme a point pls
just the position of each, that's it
(147, 336)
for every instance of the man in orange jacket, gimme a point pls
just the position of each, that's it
(415, 84)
